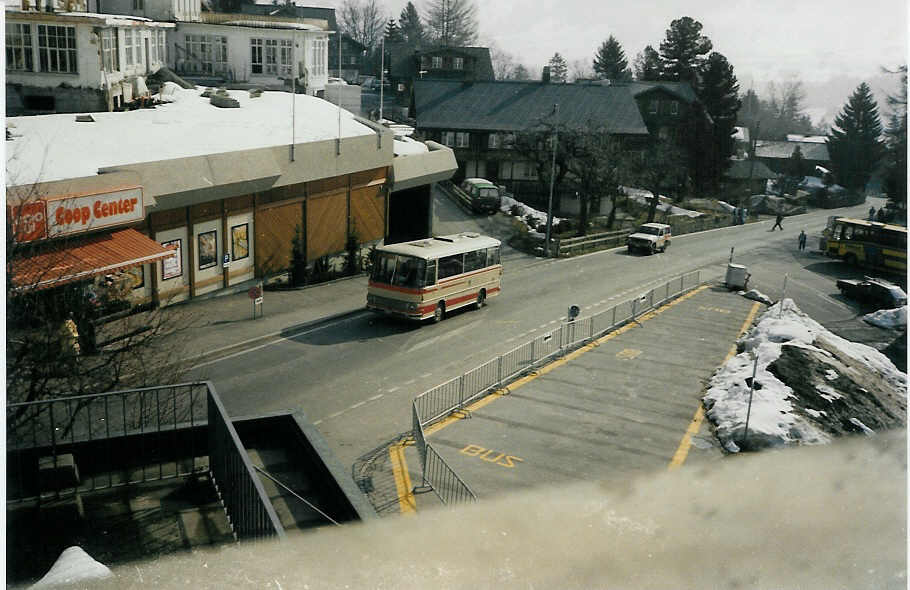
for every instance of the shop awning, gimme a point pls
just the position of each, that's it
(84, 258)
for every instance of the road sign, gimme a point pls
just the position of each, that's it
(255, 293)
(227, 261)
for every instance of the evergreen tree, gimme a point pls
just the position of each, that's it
(393, 32)
(855, 145)
(610, 61)
(719, 93)
(794, 172)
(410, 25)
(452, 23)
(559, 69)
(520, 72)
(895, 182)
(647, 65)
(683, 49)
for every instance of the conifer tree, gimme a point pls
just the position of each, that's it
(610, 61)
(647, 65)
(683, 49)
(392, 31)
(452, 23)
(719, 93)
(559, 69)
(895, 181)
(410, 26)
(854, 144)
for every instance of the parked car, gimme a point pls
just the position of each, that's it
(878, 292)
(650, 238)
(482, 195)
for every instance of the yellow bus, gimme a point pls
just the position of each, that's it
(868, 243)
(425, 279)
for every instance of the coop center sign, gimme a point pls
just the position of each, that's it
(76, 214)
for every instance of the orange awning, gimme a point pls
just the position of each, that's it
(84, 258)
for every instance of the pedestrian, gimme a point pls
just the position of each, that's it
(872, 213)
(777, 222)
(881, 215)
(802, 239)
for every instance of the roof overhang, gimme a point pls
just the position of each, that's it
(413, 170)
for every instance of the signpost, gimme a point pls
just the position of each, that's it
(255, 294)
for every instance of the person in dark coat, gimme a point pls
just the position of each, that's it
(871, 213)
(777, 223)
(802, 239)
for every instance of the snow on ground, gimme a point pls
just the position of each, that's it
(888, 318)
(644, 197)
(829, 402)
(188, 125)
(523, 212)
(74, 566)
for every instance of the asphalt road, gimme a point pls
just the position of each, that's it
(356, 377)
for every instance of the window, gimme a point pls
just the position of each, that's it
(57, 49)
(256, 55)
(493, 256)
(448, 138)
(352, 60)
(458, 63)
(462, 139)
(475, 260)
(508, 141)
(494, 141)
(663, 133)
(271, 56)
(674, 107)
(437, 62)
(424, 62)
(318, 50)
(284, 58)
(18, 47)
(449, 266)
(653, 107)
(110, 58)
(206, 54)
(138, 4)
(128, 47)
(162, 44)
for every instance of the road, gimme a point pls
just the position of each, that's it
(355, 377)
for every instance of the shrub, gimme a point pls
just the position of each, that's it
(515, 211)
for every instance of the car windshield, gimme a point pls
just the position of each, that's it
(489, 192)
(648, 230)
(398, 270)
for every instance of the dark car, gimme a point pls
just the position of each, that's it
(877, 292)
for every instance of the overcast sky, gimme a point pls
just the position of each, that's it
(764, 40)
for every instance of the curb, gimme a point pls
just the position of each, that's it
(223, 350)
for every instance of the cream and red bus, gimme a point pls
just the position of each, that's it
(425, 279)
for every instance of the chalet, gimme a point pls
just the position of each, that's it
(775, 154)
(406, 64)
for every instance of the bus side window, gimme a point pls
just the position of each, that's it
(431, 274)
(493, 256)
(450, 266)
(475, 260)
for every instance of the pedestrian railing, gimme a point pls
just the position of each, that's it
(130, 437)
(456, 394)
(599, 241)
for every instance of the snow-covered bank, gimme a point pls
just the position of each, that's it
(810, 385)
(888, 318)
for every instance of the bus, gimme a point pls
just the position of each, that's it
(868, 243)
(427, 278)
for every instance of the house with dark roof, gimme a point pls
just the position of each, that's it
(776, 153)
(407, 64)
(748, 177)
(479, 120)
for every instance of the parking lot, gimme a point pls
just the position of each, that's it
(620, 407)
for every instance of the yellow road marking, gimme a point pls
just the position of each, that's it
(406, 502)
(686, 443)
(628, 354)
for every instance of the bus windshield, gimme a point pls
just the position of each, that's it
(399, 270)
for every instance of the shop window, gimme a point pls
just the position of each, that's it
(208, 249)
(240, 242)
(172, 267)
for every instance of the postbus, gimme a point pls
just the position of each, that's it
(868, 243)
(427, 278)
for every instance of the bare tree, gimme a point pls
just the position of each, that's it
(660, 167)
(503, 62)
(581, 69)
(452, 23)
(363, 20)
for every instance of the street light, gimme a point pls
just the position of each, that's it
(546, 246)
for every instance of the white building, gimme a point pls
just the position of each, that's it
(79, 61)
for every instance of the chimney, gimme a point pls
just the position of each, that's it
(545, 76)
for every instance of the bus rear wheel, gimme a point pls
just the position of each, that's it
(440, 313)
(481, 298)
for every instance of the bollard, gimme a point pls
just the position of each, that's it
(751, 390)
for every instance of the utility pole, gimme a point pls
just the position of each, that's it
(546, 246)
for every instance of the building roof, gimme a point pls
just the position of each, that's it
(483, 64)
(43, 147)
(784, 149)
(517, 106)
(744, 169)
(682, 90)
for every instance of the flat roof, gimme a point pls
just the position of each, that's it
(442, 245)
(47, 148)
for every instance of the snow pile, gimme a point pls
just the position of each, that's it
(809, 385)
(539, 217)
(73, 566)
(404, 146)
(644, 197)
(888, 318)
(756, 295)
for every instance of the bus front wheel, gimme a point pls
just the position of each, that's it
(440, 313)
(481, 298)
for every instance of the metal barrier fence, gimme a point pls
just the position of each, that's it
(248, 507)
(129, 437)
(457, 393)
(436, 473)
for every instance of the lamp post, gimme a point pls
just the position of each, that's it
(381, 77)
(546, 246)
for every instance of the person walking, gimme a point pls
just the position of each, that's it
(802, 239)
(777, 222)
(872, 213)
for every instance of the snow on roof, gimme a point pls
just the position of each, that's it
(644, 197)
(774, 415)
(273, 25)
(301, 3)
(56, 147)
(404, 146)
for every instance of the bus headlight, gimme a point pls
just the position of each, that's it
(412, 307)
